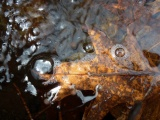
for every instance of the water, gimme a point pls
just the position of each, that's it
(37, 36)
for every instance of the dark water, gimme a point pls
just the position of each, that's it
(36, 35)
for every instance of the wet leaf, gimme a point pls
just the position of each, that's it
(112, 44)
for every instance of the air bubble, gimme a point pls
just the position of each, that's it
(25, 25)
(31, 89)
(4, 47)
(6, 14)
(2, 69)
(39, 65)
(18, 2)
(88, 47)
(119, 52)
(43, 66)
(36, 31)
(9, 2)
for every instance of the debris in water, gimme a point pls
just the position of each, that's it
(31, 89)
(86, 99)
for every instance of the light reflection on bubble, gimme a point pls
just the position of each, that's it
(42, 66)
(119, 52)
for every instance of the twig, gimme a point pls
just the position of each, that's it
(42, 111)
(59, 111)
(153, 46)
(23, 101)
(60, 115)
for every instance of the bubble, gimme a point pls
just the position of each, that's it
(43, 66)
(9, 2)
(88, 47)
(9, 29)
(119, 52)
(29, 51)
(25, 25)
(4, 47)
(40, 64)
(31, 88)
(18, 19)
(36, 31)
(6, 13)
(18, 2)
(2, 69)
(10, 19)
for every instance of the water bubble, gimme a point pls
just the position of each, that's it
(26, 78)
(6, 13)
(25, 25)
(9, 2)
(119, 52)
(4, 47)
(18, 19)
(58, 107)
(9, 29)
(29, 51)
(43, 66)
(2, 69)
(88, 47)
(39, 65)
(10, 19)
(33, 48)
(18, 2)
(16, 12)
(140, 1)
(36, 31)
(41, 8)
(31, 89)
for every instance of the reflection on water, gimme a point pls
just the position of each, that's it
(61, 27)
(153, 58)
(37, 33)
